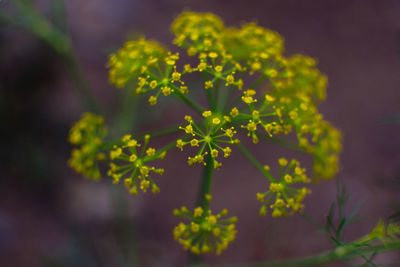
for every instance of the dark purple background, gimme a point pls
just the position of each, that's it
(49, 216)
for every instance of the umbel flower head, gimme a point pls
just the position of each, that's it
(251, 87)
(204, 232)
(251, 42)
(151, 65)
(283, 197)
(88, 133)
(132, 166)
(209, 140)
(198, 32)
(260, 113)
(295, 87)
(135, 58)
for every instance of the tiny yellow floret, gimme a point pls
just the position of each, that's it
(207, 113)
(283, 162)
(216, 121)
(234, 112)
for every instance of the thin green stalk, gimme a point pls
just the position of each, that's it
(284, 143)
(257, 82)
(191, 103)
(124, 229)
(254, 161)
(209, 93)
(217, 105)
(337, 254)
(205, 185)
(162, 132)
(279, 141)
(166, 147)
(210, 98)
(202, 201)
(37, 25)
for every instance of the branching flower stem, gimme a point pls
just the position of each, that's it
(202, 200)
(216, 99)
(188, 101)
(255, 162)
(336, 254)
(37, 25)
(205, 184)
(161, 132)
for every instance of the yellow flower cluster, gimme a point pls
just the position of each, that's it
(298, 96)
(252, 40)
(259, 49)
(205, 232)
(152, 66)
(250, 87)
(208, 140)
(326, 151)
(197, 32)
(200, 34)
(135, 58)
(88, 133)
(295, 88)
(260, 113)
(128, 164)
(286, 198)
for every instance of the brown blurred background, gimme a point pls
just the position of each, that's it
(50, 216)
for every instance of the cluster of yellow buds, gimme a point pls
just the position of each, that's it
(286, 198)
(152, 66)
(253, 44)
(131, 166)
(89, 133)
(135, 58)
(326, 151)
(198, 32)
(205, 232)
(208, 140)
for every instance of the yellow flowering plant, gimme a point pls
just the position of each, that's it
(253, 91)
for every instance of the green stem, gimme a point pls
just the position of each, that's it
(166, 147)
(228, 94)
(202, 201)
(205, 186)
(284, 143)
(337, 254)
(210, 98)
(209, 94)
(217, 106)
(161, 132)
(279, 141)
(191, 103)
(37, 25)
(257, 82)
(255, 162)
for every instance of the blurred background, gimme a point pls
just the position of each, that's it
(53, 58)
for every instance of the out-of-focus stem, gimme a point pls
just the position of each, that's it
(188, 101)
(254, 161)
(34, 23)
(337, 254)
